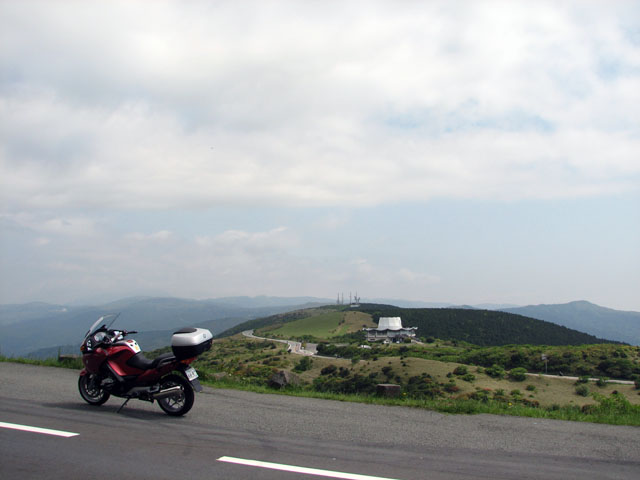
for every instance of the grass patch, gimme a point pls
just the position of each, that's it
(72, 363)
(324, 326)
(613, 410)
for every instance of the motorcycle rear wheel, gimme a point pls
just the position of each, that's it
(90, 389)
(181, 402)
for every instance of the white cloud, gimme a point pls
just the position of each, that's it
(53, 224)
(205, 105)
(161, 235)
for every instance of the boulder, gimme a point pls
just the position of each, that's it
(283, 378)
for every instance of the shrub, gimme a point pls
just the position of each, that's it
(430, 340)
(451, 387)
(583, 379)
(422, 387)
(469, 377)
(518, 374)
(582, 390)
(495, 371)
(602, 382)
(460, 370)
(531, 388)
(481, 395)
(304, 364)
(329, 370)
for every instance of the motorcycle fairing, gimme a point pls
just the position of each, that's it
(133, 345)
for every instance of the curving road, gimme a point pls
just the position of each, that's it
(294, 347)
(344, 440)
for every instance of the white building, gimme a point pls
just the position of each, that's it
(390, 328)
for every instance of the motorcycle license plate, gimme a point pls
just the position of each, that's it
(191, 373)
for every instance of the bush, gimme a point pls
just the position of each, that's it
(460, 370)
(481, 395)
(451, 387)
(518, 374)
(329, 370)
(602, 382)
(582, 390)
(583, 379)
(423, 386)
(531, 388)
(469, 377)
(304, 364)
(495, 371)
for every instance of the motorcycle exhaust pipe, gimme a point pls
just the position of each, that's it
(167, 392)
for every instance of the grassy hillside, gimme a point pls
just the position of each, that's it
(322, 326)
(481, 327)
(275, 321)
(448, 386)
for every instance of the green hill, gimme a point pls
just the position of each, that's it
(482, 327)
(479, 327)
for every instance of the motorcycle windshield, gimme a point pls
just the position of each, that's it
(104, 321)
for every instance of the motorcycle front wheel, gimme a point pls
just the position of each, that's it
(182, 401)
(90, 389)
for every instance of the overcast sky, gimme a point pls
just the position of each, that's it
(459, 152)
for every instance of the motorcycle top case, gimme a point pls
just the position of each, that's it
(190, 342)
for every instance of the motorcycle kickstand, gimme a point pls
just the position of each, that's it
(122, 406)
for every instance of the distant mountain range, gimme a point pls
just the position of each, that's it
(41, 328)
(587, 317)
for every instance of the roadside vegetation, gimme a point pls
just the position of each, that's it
(74, 363)
(445, 375)
(444, 386)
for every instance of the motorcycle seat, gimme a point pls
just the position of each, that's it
(141, 362)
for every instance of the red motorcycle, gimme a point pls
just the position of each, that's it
(115, 366)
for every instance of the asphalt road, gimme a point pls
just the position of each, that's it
(368, 440)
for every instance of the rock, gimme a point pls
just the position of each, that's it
(219, 375)
(388, 390)
(283, 378)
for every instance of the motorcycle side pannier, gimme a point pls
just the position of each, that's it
(190, 342)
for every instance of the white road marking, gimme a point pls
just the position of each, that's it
(45, 431)
(308, 471)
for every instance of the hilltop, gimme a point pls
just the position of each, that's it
(479, 327)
